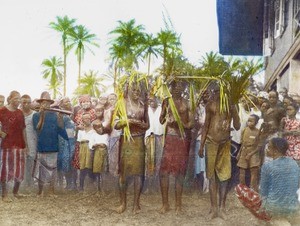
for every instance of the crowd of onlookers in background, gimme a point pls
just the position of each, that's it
(65, 144)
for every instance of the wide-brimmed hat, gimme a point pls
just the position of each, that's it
(45, 96)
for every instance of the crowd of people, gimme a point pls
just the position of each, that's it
(50, 142)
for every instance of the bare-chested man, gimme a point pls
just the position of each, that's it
(132, 152)
(176, 150)
(216, 138)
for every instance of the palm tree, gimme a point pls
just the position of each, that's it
(150, 47)
(130, 37)
(52, 71)
(116, 53)
(91, 84)
(82, 39)
(170, 48)
(64, 26)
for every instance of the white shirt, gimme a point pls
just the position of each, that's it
(244, 116)
(83, 135)
(155, 126)
(31, 136)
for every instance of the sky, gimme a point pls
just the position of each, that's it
(26, 39)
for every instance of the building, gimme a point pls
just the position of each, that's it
(272, 30)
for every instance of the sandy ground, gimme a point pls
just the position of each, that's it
(90, 208)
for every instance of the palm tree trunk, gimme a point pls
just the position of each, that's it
(115, 76)
(65, 69)
(149, 61)
(79, 71)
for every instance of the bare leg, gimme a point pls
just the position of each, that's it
(60, 179)
(137, 193)
(41, 186)
(213, 198)
(242, 176)
(164, 186)
(178, 193)
(222, 198)
(4, 193)
(16, 190)
(254, 178)
(98, 178)
(123, 189)
(82, 176)
(52, 193)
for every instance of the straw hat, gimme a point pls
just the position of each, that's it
(45, 96)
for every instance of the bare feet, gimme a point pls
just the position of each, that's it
(53, 195)
(121, 208)
(222, 214)
(164, 209)
(178, 210)
(136, 209)
(213, 213)
(6, 199)
(19, 196)
(40, 195)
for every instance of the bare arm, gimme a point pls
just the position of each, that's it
(205, 130)
(235, 117)
(162, 117)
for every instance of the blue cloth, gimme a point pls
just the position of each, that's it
(278, 186)
(199, 162)
(48, 135)
(66, 147)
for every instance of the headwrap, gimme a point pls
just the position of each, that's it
(84, 98)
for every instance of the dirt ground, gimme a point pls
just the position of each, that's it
(91, 208)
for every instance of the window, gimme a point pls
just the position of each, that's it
(279, 17)
(268, 30)
(296, 12)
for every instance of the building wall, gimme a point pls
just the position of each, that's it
(282, 45)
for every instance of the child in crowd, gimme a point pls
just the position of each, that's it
(248, 157)
(290, 130)
(85, 137)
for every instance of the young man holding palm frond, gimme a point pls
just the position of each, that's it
(216, 139)
(179, 122)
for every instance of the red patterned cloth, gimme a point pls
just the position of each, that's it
(294, 141)
(12, 165)
(252, 201)
(175, 155)
(78, 117)
(75, 161)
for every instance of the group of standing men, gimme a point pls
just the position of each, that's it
(85, 141)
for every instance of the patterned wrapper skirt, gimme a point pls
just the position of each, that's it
(175, 155)
(75, 161)
(132, 156)
(85, 156)
(45, 167)
(12, 164)
(99, 159)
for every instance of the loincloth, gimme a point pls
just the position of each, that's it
(132, 156)
(175, 155)
(218, 160)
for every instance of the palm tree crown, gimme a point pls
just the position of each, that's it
(64, 26)
(91, 84)
(52, 71)
(82, 39)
